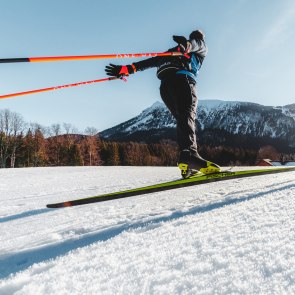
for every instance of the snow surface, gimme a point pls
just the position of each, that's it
(230, 237)
(286, 110)
(212, 104)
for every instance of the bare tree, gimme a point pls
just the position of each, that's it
(69, 135)
(90, 146)
(70, 129)
(12, 126)
(55, 129)
(91, 131)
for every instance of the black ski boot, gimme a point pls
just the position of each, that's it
(191, 165)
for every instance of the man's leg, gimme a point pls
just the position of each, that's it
(186, 108)
(180, 97)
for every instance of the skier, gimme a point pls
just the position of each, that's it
(178, 91)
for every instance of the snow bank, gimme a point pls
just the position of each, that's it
(235, 236)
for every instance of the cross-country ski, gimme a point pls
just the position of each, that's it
(164, 186)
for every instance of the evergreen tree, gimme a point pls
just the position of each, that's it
(75, 156)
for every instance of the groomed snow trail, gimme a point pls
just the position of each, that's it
(230, 237)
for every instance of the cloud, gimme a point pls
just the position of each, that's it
(281, 29)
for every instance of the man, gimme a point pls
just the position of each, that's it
(178, 91)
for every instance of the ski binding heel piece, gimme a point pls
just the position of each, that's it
(183, 167)
(185, 172)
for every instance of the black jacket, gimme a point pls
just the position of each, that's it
(167, 66)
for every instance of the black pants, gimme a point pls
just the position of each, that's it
(180, 96)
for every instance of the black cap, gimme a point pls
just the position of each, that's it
(198, 34)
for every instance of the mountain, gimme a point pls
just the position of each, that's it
(231, 123)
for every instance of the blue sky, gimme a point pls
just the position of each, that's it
(251, 54)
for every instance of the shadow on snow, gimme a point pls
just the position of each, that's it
(24, 215)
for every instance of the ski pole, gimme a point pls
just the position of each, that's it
(86, 57)
(59, 87)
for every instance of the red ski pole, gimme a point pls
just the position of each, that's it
(86, 57)
(58, 87)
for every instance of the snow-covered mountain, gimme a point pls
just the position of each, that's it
(230, 117)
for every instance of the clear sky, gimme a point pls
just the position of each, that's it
(251, 54)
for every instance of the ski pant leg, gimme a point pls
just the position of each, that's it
(180, 96)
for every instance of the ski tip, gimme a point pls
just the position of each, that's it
(60, 205)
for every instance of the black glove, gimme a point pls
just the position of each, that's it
(184, 45)
(119, 71)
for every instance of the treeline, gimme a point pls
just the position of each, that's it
(34, 150)
(31, 145)
(23, 145)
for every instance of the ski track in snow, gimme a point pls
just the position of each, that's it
(235, 236)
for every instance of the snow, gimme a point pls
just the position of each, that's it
(213, 104)
(156, 105)
(286, 110)
(288, 164)
(147, 116)
(230, 237)
(140, 123)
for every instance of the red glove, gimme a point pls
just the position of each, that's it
(119, 71)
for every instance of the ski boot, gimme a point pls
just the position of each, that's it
(191, 165)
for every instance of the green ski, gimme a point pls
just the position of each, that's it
(194, 180)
